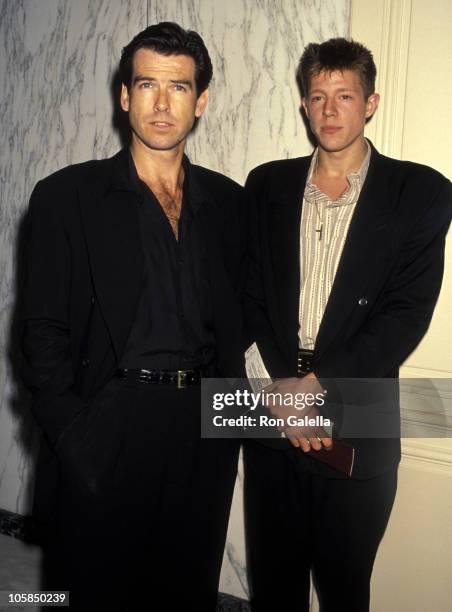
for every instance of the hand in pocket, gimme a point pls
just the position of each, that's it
(89, 449)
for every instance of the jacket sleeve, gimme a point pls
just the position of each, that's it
(258, 326)
(47, 365)
(401, 314)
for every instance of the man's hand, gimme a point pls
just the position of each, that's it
(303, 437)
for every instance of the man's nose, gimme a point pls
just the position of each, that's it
(329, 108)
(162, 101)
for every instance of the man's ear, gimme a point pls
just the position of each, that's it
(372, 104)
(201, 103)
(124, 98)
(304, 106)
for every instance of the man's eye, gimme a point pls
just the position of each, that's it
(316, 98)
(179, 87)
(345, 97)
(145, 85)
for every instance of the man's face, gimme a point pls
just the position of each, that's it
(162, 101)
(337, 110)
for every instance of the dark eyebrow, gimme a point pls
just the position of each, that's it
(340, 90)
(140, 78)
(182, 82)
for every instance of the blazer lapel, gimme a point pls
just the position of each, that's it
(110, 219)
(284, 214)
(361, 253)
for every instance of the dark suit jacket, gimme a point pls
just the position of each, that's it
(384, 292)
(85, 276)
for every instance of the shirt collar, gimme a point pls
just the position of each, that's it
(132, 182)
(355, 179)
(125, 178)
(193, 192)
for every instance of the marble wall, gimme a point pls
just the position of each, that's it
(57, 61)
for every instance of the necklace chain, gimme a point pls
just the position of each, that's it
(320, 230)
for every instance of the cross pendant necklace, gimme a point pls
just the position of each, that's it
(320, 230)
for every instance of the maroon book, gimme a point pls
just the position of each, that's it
(340, 457)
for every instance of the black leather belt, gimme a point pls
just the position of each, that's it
(179, 378)
(304, 362)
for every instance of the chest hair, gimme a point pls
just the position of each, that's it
(171, 204)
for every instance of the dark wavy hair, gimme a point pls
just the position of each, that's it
(169, 38)
(337, 54)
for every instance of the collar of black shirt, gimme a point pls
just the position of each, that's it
(125, 178)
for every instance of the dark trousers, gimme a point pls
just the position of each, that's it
(297, 522)
(143, 504)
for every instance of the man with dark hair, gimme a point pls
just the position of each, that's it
(347, 254)
(132, 296)
(168, 39)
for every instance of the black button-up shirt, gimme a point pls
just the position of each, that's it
(173, 327)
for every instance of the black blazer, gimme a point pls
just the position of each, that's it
(84, 280)
(384, 292)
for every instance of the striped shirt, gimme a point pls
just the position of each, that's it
(323, 230)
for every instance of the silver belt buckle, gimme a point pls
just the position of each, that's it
(181, 379)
